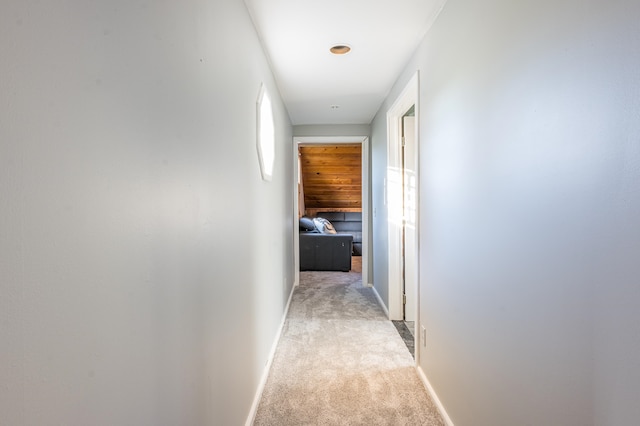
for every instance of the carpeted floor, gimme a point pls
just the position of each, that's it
(341, 362)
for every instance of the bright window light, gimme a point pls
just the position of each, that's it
(266, 134)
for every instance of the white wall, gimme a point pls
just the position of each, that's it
(529, 210)
(144, 264)
(379, 235)
(332, 130)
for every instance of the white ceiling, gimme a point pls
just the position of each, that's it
(297, 35)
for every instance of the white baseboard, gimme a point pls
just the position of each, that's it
(380, 302)
(267, 367)
(434, 397)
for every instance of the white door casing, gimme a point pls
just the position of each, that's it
(364, 141)
(409, 216)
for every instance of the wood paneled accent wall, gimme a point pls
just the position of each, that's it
(331, 177)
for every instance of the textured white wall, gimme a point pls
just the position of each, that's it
(530, 207)
(144, 264)
(332, 130)
(379, 235)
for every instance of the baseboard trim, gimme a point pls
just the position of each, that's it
(265, 374)
(380, 302)
(434, 397)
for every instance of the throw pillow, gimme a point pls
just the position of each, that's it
(324, 226)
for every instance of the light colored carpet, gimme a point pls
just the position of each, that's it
(341, 362)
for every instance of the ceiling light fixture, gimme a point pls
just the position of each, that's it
(335, 106)
(340, 49)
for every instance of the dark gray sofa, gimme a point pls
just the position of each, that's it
(347, 223)
(326, 251)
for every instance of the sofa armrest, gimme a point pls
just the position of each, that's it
(325, 252)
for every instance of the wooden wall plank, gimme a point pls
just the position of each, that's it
(332, 177)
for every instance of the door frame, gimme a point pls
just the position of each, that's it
(409, 185)
(408, 98)
(334, 140)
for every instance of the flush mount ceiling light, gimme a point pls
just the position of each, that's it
(335, 106)
(340, 49)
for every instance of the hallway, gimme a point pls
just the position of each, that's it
(341, 362)
(148, 220)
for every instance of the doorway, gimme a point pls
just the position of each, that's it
(363, 141)
(402, 207)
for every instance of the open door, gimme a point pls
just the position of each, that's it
(409, 237)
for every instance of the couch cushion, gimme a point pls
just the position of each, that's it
(353, 217)
(332, 216)
(306, 224)
(324, 226)
(347, 227)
